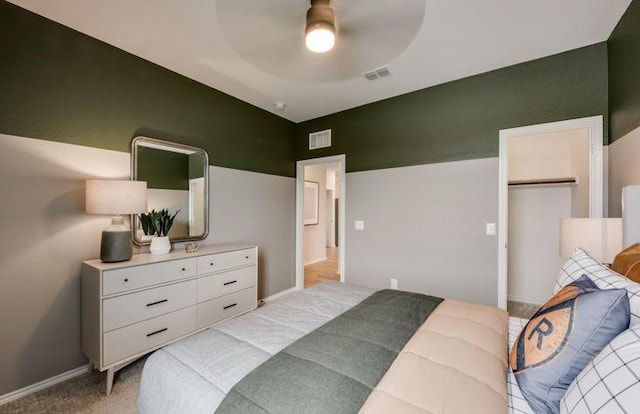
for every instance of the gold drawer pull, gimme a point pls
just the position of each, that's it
(157, 332)
(158, 302)
(229, 306)
(230, 283)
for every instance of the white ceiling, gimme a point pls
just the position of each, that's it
(254, 49)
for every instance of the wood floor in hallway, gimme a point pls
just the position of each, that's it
(326, 270)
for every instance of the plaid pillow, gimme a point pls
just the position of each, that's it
(517, 403)
(610, 383)
(581, 263)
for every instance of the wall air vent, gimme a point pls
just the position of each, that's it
(378, 73)
(371, 76)
(320, 139)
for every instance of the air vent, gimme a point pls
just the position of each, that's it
(378, 73)
(320, 139)
(371, 76)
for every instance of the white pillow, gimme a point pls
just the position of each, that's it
(582, 264)
(610, 383)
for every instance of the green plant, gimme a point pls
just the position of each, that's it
(146, 223)
(157, 223)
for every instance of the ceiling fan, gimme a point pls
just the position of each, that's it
(367, 34)
(320, 32)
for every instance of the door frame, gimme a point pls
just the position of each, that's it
(192, 212)
(596, 181)
(299, 260)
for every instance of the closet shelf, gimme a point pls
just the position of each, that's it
(544, 182)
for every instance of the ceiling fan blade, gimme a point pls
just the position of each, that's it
(269, 34)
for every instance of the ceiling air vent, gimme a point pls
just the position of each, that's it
(320, 139)
(378, 73)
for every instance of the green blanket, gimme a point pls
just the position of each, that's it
(334, 368)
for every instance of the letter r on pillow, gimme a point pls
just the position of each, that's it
(541, 332)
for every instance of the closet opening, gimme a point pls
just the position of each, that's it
(546, 172)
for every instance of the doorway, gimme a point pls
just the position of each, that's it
(320, 189)
(549, 186)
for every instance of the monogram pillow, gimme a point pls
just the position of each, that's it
(562, 337)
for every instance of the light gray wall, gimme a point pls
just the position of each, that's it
(256, 208)
(534, 259)
(314, 246)
(46, 235)
(425, 226)
(624, 168)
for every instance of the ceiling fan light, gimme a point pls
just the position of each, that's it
(320, 39)
(320, 32)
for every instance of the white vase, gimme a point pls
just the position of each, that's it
(160, 245)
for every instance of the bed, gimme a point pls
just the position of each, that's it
(459, 349)
(194, 375)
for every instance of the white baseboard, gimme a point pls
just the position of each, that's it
(23, 392)
(524, 300)
(321, 259)
(280, 294)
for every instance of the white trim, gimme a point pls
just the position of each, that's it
(341, 159)
(322, 259)
(596, 181)
(30, 389)
(280, 294)
(526, 301)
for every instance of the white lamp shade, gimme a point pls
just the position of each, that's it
(600, 237)
(116, 197)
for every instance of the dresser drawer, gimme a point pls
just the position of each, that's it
(211, 287)
(135, 277)
(135, 307)
(225, 307)
(222, 261)
(140, 337)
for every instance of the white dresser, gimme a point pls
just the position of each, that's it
(134, 307)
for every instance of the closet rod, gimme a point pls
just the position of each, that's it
(544, 181)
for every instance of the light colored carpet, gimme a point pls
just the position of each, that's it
(521, 309)
(84, 394)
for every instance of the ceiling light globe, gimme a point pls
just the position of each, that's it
(320, 39)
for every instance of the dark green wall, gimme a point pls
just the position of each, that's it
(196, 166)
(60, 85)
(163, 169)
(624, 73)
(461, 119)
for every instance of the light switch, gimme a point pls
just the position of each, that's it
(359, 225)
(491, 229)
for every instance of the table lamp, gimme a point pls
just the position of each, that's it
(115, 198)
(600, 237)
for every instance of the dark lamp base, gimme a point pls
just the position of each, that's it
(116, 246)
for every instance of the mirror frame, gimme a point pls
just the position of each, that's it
(134, 176)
